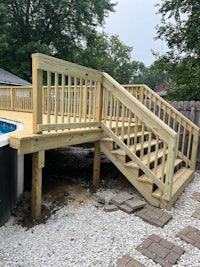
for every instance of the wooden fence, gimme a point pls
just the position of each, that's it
(190, 109)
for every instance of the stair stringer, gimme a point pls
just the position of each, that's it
(144, 189)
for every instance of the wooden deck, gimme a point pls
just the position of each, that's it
(150, 142)
(26, 142)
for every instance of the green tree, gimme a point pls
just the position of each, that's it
(58, 28)
(181, 30)
(152, 76)
(109, 54)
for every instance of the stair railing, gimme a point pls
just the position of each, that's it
(187, 131)
(122, 116)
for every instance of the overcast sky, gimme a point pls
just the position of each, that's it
(135, 21)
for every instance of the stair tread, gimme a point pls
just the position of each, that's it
(138, 147)
(145, 178)
(145, 158)
(179, 178)
(132, 135)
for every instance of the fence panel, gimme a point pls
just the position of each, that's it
(190, 109)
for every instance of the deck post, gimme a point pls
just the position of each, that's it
(37, 93)
(37, 165)
(96, 165)
(99, 101)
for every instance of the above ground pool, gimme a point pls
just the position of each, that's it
(11, 170)
(6, 127)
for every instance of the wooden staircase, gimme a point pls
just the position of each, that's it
(149, 141)
(155, 160)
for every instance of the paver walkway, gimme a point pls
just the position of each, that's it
(191, 235)
(160, 250)
(128, 261)
(154, 216)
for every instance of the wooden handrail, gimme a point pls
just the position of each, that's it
(174, 119)
(150, 121)
(135, 106)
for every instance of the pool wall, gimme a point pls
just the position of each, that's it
(11, 175)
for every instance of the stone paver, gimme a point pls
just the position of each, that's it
(110, 208)
(128, 261)
(132, 205)
(154, 216)
(160, 250)
(196, 214)
(120, 198)
(125, 202)
(191, 235)
(196, 196)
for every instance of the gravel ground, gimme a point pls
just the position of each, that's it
(82, 234)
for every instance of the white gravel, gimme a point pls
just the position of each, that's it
(88, 236)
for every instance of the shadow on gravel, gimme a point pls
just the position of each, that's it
(67, 178)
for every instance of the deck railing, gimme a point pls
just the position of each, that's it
(18, 98)
(163, 137)
(70, 97)
(188, 132)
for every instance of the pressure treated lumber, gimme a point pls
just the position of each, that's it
(37, 165)
(96, 164)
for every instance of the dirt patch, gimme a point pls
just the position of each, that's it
(67, 178)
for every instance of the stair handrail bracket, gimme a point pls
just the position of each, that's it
(151, 122)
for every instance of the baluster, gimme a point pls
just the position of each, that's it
(156, 155)
(63, 98)
(189, 146)
(163, 162)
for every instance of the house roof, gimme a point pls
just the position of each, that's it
(162, 89)
(11, 79)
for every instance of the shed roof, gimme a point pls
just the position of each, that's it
(11, 79)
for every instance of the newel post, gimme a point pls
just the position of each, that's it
(97, 150)
(170, 166)
(37, 93)
(37, 157)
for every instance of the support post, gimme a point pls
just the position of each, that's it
(96, 165)
(37, 165)
(37, 93)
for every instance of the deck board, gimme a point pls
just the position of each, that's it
(26, 142)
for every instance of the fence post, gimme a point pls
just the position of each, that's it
(37, 93)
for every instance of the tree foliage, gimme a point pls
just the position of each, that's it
(60, 28)
(152, 76)
(181, 30)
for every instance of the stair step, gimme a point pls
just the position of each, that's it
(132, 135)
(132, 164)
(146, 179)
(138, 147)
(181, 178)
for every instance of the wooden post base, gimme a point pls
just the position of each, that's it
(96, 165)
(37, 165)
